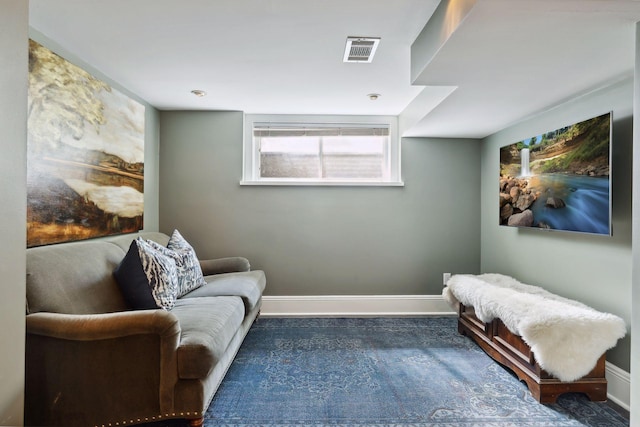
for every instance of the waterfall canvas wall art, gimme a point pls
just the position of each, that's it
(559, 180)
(85, 154)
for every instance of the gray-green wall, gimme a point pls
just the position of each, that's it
(323, 240)
(635, 291)
(14, 27)
(593, 269)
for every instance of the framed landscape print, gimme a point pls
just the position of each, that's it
(85, 154)
(559, 180)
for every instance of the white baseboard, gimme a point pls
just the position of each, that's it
(618, 385)
(619, 381)
(354, 305)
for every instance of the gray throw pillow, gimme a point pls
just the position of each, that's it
(189, 271)
(161, 272)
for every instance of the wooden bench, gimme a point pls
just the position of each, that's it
(526, 328)
(511, 351)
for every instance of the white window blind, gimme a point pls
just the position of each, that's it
(323, 152)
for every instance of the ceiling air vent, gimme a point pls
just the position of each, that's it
(360, 49)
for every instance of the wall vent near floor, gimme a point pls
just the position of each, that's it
(360, 49)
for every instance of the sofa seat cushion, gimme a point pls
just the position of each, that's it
(248, 285)
(207, 327)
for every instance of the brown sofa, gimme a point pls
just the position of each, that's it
(91, 361)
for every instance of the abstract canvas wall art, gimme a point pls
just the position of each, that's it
(85, 154)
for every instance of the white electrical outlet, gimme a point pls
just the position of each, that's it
(445, 278)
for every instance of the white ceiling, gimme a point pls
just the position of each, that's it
(508, 59)
(511, 59)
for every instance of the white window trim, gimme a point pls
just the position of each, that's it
(251, 159)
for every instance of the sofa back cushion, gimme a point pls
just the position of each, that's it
(74, 278)
(124, 240)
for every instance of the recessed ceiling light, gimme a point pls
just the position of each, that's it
(199, 93)
(374, 96)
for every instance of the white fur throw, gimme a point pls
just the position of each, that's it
(566, 337)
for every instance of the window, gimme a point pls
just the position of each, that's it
(320, 152)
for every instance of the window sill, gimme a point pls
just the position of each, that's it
(318, 183)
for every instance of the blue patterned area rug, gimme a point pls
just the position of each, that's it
(381, 372)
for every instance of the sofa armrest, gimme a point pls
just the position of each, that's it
(73, 361)
(86, 327)
(224, 265)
